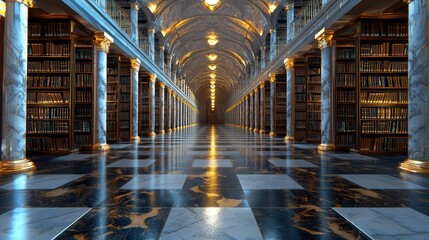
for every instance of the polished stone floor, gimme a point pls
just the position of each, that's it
(214, 182)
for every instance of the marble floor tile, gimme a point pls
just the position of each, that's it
(212, 163)
(379, 181)
(38, 223)
(352, 156)
(119, 146)
(273, 153)
(129, 163)
(156, 181)
(41, 181)
(388, 223)
(304, 146)
(211, 223)
(74, 156)
(267, 181)
(221, 153)
(295, 163)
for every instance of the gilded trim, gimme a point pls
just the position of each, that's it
(324, 38)
(323, 147)
(289, 63)
(415, 166)
(135, 138)
(135, 64)
(16, 166)
(28, 3)
(272, 77)
(101, 147)
(103, 41)
(152, 78)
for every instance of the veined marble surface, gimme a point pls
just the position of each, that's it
(101, 98)
(75, 156)
(379, 181)
(41, 181)
(130, 163)
(265, 181)
(160, 181)
(212, 163)
(296, 163)
(352, 157)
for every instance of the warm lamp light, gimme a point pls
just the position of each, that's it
(212, 90)
(212, 86)
(212, 2)
(212, 67)
(212, 42)
(212, 76)
(273, 7)
(212, 57)
(212, 82)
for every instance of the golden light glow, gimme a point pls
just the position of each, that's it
(152, 7)
(2, 8)
(212, 41)
(212, 90)
(212, 82)
(273, 7)
(212, 2)
(212, 57)
(212, 67)
(212, 86)
(212, 75)
(212, 94)
(163, 32)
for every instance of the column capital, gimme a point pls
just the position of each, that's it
(103, 41)
(161, 48)
(272, 77)
(151, 30)
(135, 5)
(407, 1)
(169, 90)
(246, 98)
(162, 85)
(289, 63)
(135, 64)
(251, 94)
(174, 94)
(256, 90)
(262, 86)
(28, 3)
(273, 30)
(324, 38)
(289, 6)
(152, 77)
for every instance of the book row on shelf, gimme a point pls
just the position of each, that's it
(384, 97)
(49, 29)
(384, 113)
(49, 49)
(384, 49)
(48, 66)
(384, 81)
(48, 97)
(36, 126)
(48, 113)
(383, 66)
(48, 81)
(385, 126)
(384, 29)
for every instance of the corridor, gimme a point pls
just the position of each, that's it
(214, 182)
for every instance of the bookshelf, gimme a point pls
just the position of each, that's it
(124, 100)
(300, 100)
(144, 117)
(83, 93)
(345, 94)
(383, 84)
(313, 62)
(113, 70)
(49, 85)
(2, 20)
(280, 106)
(157, 106)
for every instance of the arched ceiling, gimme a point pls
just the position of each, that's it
(240, 26)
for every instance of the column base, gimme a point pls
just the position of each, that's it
(261, 131)
(272, 134)
(289, 139)
(174, 129)
(415, 166)
(170, 130)
(256, 130)
(135, 138)
(250, 129)
(162, 132)
(152, 134)
(324, 147)
(16, 166)
(101, 147)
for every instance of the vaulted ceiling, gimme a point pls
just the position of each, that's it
(186, 26)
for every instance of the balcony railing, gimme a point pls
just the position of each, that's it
(309, 10)
(114, 10)
(144, 43)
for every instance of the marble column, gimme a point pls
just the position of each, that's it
(102, 4)
(102, 42)
(174, 111)
(418, 85)
(324, 2)
(290, 99)
(177, 117)
(151, 42)
(169, 66)
(246, 112)
(161, 58)
(290, 12)
(256, 113)
(14, 103)
(135, 68)
(162, 108)
(169, 110)
(263, 50)
(152, 105)
(251, 118)
(324, 39)
(273, 43)
(134, 16)
(272, 103)
(179, 112)
(262, 108)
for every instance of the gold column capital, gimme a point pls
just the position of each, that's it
(161, 48)
(151, 30)
(324, 147)
(289, 63)
(152, 77)
(289, 6)
(262, 86)
(174, 94)
(162, 85)
(28, 3)
(246, 98)
(169, 90)
(415, 166)
(135, 5)
(135, 64)
(272, 77)
(407, 1)
(324, 38)
(251, 94)
(256, 90)
(103, 41)
(273, 30)
(101, 147)
(135, 138)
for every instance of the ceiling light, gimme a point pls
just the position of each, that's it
(212, 2)
(152, 7)
(212, 82)
(212, 57)
(212, 86)
(212, 67)
(273, 7)
(212, 42)
(212, 90)
(212, 94)
(212, 75)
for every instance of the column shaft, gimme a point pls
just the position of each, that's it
(262, 109)
(151, 42)
(170, 107)
(152, 105)
(272, 103)
(162, 108)
(246, 112)
(290, 19)
(135, 68)
(251, 117)
(134, 15)
(273, 43)
(290, 100)
(256, 111)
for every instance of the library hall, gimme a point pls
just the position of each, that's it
(214, 119)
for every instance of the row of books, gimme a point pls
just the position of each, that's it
(111, 107)
(124, 124)
(391, 144)
(82, 126)
(49, 49)
(346, 111)
(384, 29)
(384, 97)
(384, 126)
(48, 65)
(346, 140)
(300, 116)
(83, 96)
(314, 89)
(83, 140)
(124, 107)
(315, 79)
(346, 126)
(48, 81)
(383, 65)
(346, 66)
(384, 81)
(300, 124)
(59, 127)
(83, 67)
(48, 113)
(47, 144)
(112, 97)
(84, 79)
(384, 49)
(314, 107)
(346, 96)
(48, 97)
(83, 112)
(300, 106)
(346, 53)
(124, 116)
(314, 116)
(314, 97)
(384, 113)
(112, 88)
(300, 88)
(111, 126)
(84, 53)
(346, 80)
(111, 116)
(49, 29)
(314, 70)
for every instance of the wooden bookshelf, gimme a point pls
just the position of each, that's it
(266, 107)
(157, 106)
(345, 94)
(300, 100)
(113, 70)
(382, 45)
(144, 117)
(49, 85)
(313, 62)
(124, 100)
(280, 106)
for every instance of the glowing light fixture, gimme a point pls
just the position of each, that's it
(212, 2)
(212, 94)
(273, 7)
(152, 7)
(212, 76)
(212, 82)
(212, 67)
(212, 41)
(212, 86)
(212, 57)
(212, 90)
